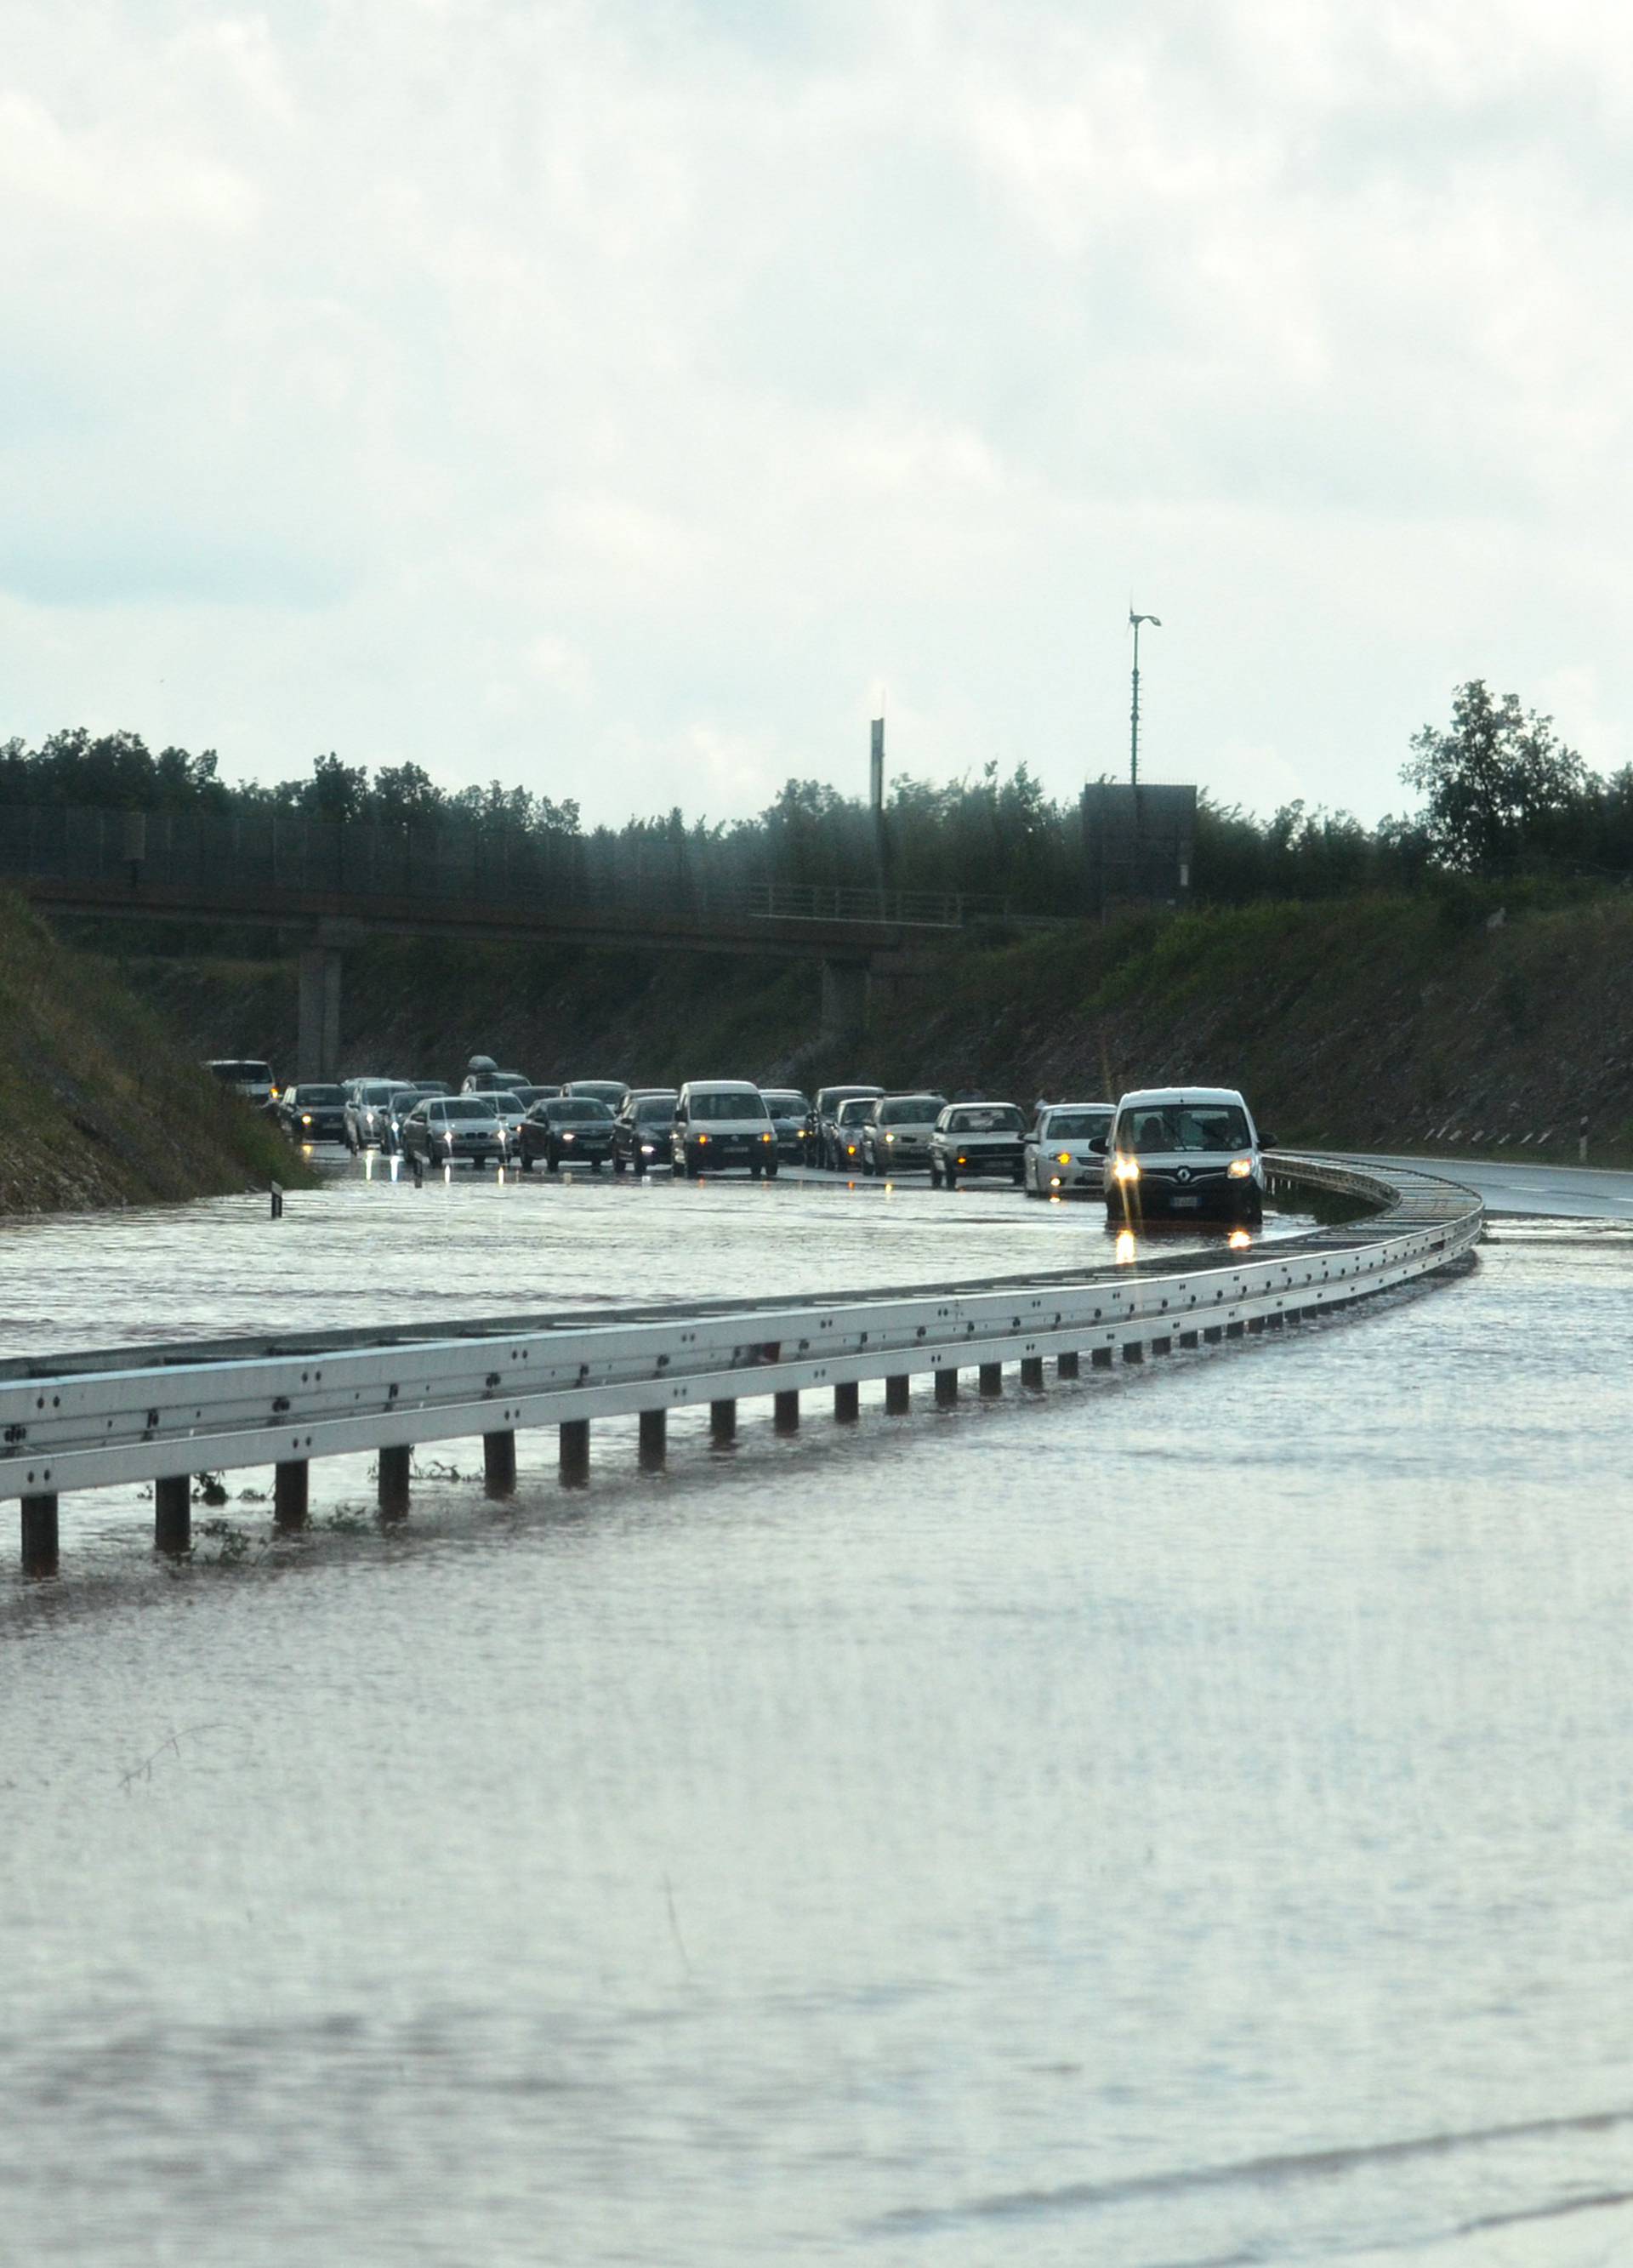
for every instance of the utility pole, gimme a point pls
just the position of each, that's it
(1134, 714)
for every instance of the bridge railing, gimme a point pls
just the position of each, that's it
(279, 852)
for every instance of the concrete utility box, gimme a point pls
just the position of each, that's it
(1138, 844)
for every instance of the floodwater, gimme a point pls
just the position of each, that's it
(1181, 1819)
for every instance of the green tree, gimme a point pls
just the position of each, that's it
(1500, 786)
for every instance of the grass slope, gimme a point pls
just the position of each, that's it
(99, 1105)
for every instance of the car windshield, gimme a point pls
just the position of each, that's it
(987, 1118)
(504, 1099)
(1074, 1125)
(715, 1104)
(469, 1106)
(600, 1090)
(1184, 1126)
(430, 1086)
(830, 1098)
(247, 1072)
(577, 1110)
(381, 1092)
(857, 1108)
(306, 1096)
(908, 1110)
(782, 1105)
(654, 1110)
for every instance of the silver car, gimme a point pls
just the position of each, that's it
(895, 1133)
(1066, 1149)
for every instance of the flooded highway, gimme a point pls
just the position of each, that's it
(1177, 1819)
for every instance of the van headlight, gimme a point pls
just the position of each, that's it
(1128, 1170)
(1239, 1168)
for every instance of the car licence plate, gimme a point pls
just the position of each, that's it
(1181, 1203)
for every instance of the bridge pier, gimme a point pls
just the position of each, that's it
(845, 985)
(317, 1047)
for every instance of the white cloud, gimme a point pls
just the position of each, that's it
(607, 397)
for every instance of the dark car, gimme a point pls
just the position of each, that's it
(824, 1115)
(445, 1128)
(567, 1130)
(641, 1131)
(612, 1091)
(977, 1138)
(313, 1114)
(790, 1123)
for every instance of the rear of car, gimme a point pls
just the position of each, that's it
(973, 1139)
(721, 1123)
(1066, 1149)
(1179, 1152)
(895, 1133)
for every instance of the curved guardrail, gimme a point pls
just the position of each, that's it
(161, 1413)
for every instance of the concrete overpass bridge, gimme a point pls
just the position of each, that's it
(326, 887)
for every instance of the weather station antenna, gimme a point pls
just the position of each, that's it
(1134, 714)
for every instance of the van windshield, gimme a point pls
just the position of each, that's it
(1185, 1126)
(743, 1104)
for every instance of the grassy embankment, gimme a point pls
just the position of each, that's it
(100, 1105)
(1372, 1022)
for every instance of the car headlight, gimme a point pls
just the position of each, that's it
(305, 1118)
(646, 1149)
(766, 1137)
(1239, 1168)
(568, 1134)
(890, 1138)
(1062, 1157)
(1126, 1170)
(702, 1138)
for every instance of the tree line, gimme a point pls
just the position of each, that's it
(1501, 797)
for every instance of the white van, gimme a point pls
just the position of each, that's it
(1175, 1151)
(723, 1122)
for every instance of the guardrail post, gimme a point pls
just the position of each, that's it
(498, 1464)
(1099, 1358)
(575, 1454)
(393, 1482)
(1032, 1372)
(722, 1421)
(173, 1513)
(289, 1493)
(991, 1378)
(947, 1388)
(39, 1535)
(1133, 1350)
(654, 1439)
(1066, 1366)
(898, 1395)
(848, 1402)
(785, 1411)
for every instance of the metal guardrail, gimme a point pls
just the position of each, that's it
(400, 866)
(119, 1416)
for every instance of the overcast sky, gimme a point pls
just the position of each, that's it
(622, 398)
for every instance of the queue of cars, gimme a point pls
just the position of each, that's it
(1158, 1153)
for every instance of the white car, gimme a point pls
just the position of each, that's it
(512, 1111)
(722, 1122)
(1066, 1149)
(1177, 1150)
